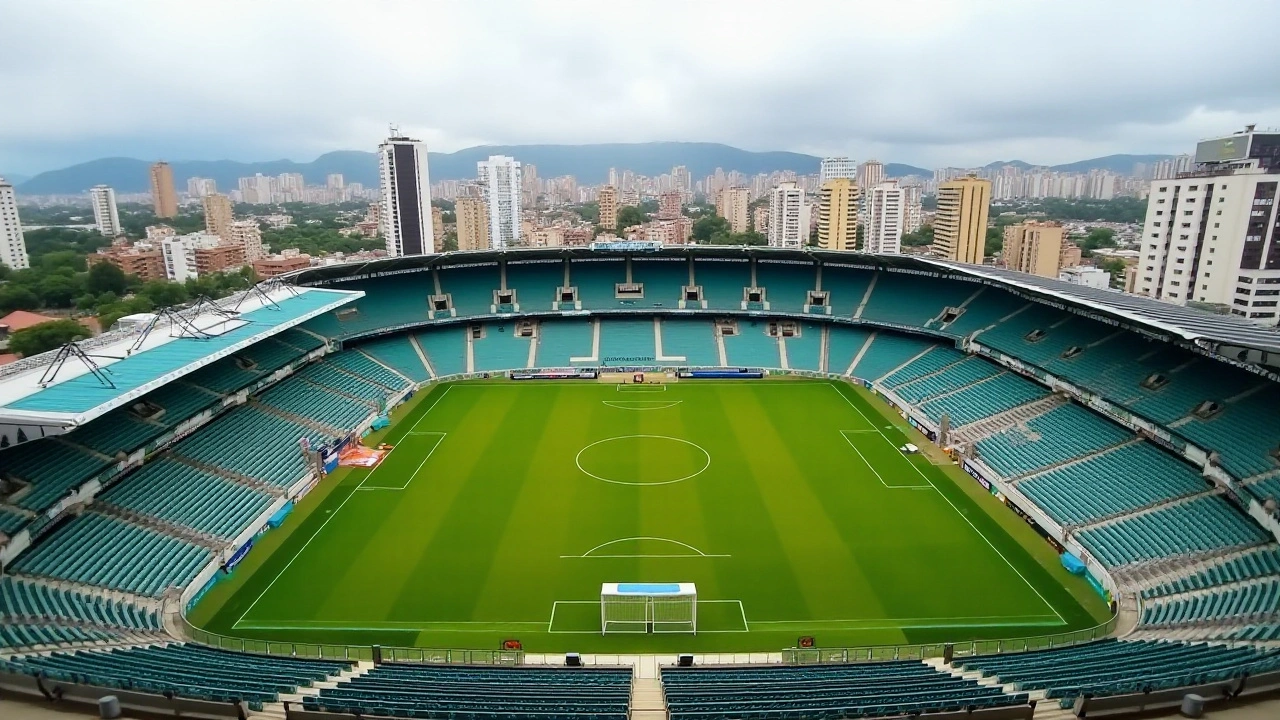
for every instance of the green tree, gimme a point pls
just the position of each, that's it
(46, 336)
(629, 215)
(108, 314)
(707, 226)
(1116, 267)
(16, 297)
(919, 238)
(590, 212)
(59, 290)
(995, 241)
(1097, 238)
(105, 277)
(164, 294)
(450, 242)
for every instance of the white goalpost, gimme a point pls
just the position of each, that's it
(648, 608)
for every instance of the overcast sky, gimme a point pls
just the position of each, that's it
(927, 83)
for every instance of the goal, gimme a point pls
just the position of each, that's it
(648, 608)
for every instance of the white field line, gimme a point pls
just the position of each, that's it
(439, 439)
(332, 515)
(687, 546)
(962, 515)
(557, 603)
(877, 472)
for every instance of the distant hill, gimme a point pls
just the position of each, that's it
(1122, 164)
(14, 178)
(897, 170)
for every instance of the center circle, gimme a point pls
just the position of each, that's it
(643, 460)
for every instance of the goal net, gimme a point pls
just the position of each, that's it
(648, 608)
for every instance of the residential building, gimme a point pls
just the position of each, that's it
(105, 215)
(552, 236)
(788, 216)
(1034, 247)
(886, 215)
(163, 192)
(760, 219)
(913, 197)
(286, 262)
(405, 187)
(156, 233)
(836, 167)
(142, 259)
(257, 190)
(218, 215)
(500, 178)
(1092, 277)
(870, 174)
(960, 225)
(608, 202)
(13, 246)
(335, 181)
(1212, 235)
(473, 223)
(668, 232)
(248, 235)
(731, 205)
(838, 214)
(198, 187)
(669, 204)
(179, 254)
(219, 258)
(437, 227)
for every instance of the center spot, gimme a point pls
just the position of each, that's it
(643, 460)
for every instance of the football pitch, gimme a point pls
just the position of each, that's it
(505, 505)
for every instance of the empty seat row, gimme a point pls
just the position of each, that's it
(308, 400)
(1241, 602)
(1063, 433)
(953, 377)
(254, 443)
(398, 352)
(1258, 563)
(185, 495)
(23, 598)
(989, 397)
(1198, 525)
(330, 376)
(361, 365)
(16, 635)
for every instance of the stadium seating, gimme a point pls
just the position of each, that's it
(1198, 525)
(186, 670)
(11, 522)
(961, 374)
(535, 283)
(824, 691)
(470, 288)
(663, 281)
(559, 340)
(389, 301)
(693, 340)
(752, 347)
(626, 341)
(446, 349)
(1250, 601)
(595, 282)
(182, 494)
(1059, 435)
(936, 359)
(303, 341)
(117, 431)
(845, 288)
(887, 351)
(1110, 667)
(1120, 480)
(1265, 489)
(991, 397)
(786, 286)
(989, 307)
(179, 400)
(500, 348)
(1245, 433)
(843, 345)
(254, 443)
(52, 468)
(1259, 563)
(16, 635)
(328, 375)
(26, 599)
(394, 690)
(804, 352)
(363, 367)
(100, 550)
(397, 353)
(898, 299)
(722, 282)
(315, 403)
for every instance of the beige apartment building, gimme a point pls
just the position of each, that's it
(608, 201)
(218, 215)
(731, 205)
(838, 215)
(669, 204)
(1034, 247)
(473, 223)
(437, 227)
(247, 234)
(960, 225)
(163, 192)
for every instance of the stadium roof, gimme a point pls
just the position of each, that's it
(1227, 336)
(47, 396)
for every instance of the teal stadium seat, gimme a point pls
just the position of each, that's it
(185, 495)
(271, 454)
(1259, 563)
(365, 368)
(500, 349)
(844, 342)
(1063, 433)
(988, 307)
(446, 349)
(535, 283)
(903, 299)
(627, 342)
(936, 359)
(722, 282)
(596, 283)
(804, 352)
(51, 469)
(998, 394)
(1200, 525)
(845, 288)
(663, 280)
(397, 353)
(27, 599)
(693, 340)
(316, 403)
(786, 284)
(470, 288)
(560, 340)
(887, 351)
(752, 347)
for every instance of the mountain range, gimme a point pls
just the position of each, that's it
(589, 163)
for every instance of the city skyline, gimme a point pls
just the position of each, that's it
(1109, 99)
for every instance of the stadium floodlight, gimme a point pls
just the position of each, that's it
(648, 608)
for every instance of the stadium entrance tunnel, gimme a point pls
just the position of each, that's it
(643, 460)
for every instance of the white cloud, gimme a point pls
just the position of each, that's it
(930, 83)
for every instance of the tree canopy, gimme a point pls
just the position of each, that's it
(46, 336)
(629, 215)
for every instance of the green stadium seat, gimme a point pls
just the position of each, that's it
(186, 495)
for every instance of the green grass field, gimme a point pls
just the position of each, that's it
(505, 505)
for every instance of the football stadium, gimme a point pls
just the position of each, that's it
(627, 481)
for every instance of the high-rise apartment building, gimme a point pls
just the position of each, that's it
(838, 214)
(473, 223)
(335, 181)
(760, 219)
(198, 187)
(788, 216)
(13, 246)
(914, 197)
(731, 205)
(218, 215)
(960, 225)
(669, 204)
(870, 174)
(143, 260)
(886, 215)
(437, 226)
(1212, 235)
(405, 187)
(105, 215)
(1034, 247)
(163, 192)
(500, 178)
(608, 201)
(833, 168)
(247, 234)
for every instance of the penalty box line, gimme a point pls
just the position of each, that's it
(845, 434)
(555, 604)
(334, 514)
(964, 517)
(440, 436)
